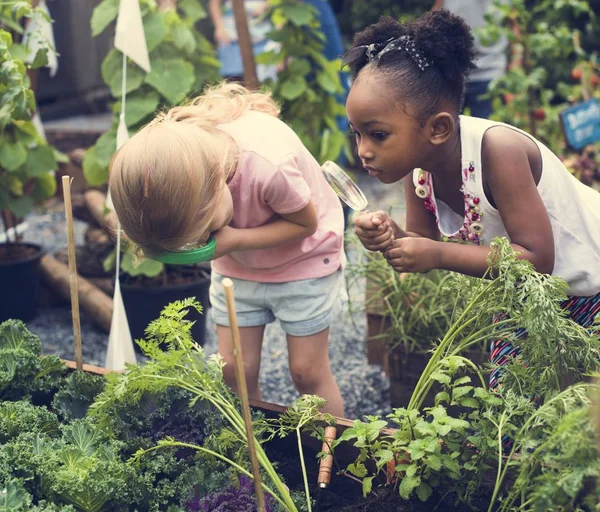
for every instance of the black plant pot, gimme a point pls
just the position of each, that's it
(20, 285)
(144, 304)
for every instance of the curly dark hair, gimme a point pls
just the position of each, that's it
(444, 38)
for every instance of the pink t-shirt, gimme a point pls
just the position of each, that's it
(276, 174)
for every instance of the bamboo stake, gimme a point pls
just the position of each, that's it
(240, 376)
(66, 182)
(245, 43)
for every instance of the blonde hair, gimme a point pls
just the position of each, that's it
(166, 181)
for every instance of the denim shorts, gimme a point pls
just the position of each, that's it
(302, 307)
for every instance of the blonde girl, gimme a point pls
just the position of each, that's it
(226, 165)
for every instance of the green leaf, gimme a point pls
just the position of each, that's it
(383, 457)
(27, 133)
(358, 469)
(183, 38)
(41, 59)
(173, 78)
(462, 380)
(434, 462)
(416, 453)
(40, 161)
(60, 157)
(112, 73)
(442, 397)
(460, 391)
(45, 187)
(95, 173)
(18, 51)
(472, 403)
(193, 10)
(325, 81)
(293, 87)
(13, 154)
(104, 13)
(146, 267)
(298, 14)
(108, 264)
(408, 484)
(155, 30)
(367, 484)
(424, 491)
(106, 145)
(140, 105)
(440, 377)
(299, 67)
(268, 58)
(21, 206)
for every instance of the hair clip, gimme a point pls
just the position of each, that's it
(375, 51)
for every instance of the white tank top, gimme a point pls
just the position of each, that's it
(573, 209)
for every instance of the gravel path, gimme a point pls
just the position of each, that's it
(364, 387)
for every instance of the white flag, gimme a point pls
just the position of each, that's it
(129, 34)
(120, 345)
(39, 34)
(122, 138)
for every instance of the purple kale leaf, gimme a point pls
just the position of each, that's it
(231, 499)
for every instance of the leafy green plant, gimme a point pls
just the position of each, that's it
(303, 414)
(27, 162)
(75, 396)
(417, 307)
(22, 371)
(431, 449)
(182, 61)
(553, 454)
(185, 366)
(308, 83)
(546, 45)
(557, 351)
(19, 417)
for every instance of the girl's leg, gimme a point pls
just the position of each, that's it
(311, 370)
(251, 338)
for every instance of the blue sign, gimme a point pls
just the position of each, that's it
(581, 124)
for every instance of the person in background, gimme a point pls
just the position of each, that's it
(491, 60)
(228, 48)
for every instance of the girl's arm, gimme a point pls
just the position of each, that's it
(510, 180)
(214, 8)
(291, 227)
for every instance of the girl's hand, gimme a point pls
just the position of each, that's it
(374, 230)
(221, 36)
(228, 240)
(412, 254)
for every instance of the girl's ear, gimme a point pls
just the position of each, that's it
(440, 128)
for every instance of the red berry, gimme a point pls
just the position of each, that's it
(539, 114)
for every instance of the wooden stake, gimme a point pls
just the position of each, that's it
(66, 182)
(245, 43)
(240, 376)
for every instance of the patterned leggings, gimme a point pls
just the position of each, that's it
(582, 310)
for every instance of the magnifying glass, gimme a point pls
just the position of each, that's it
(344, 187)
(204, 253)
